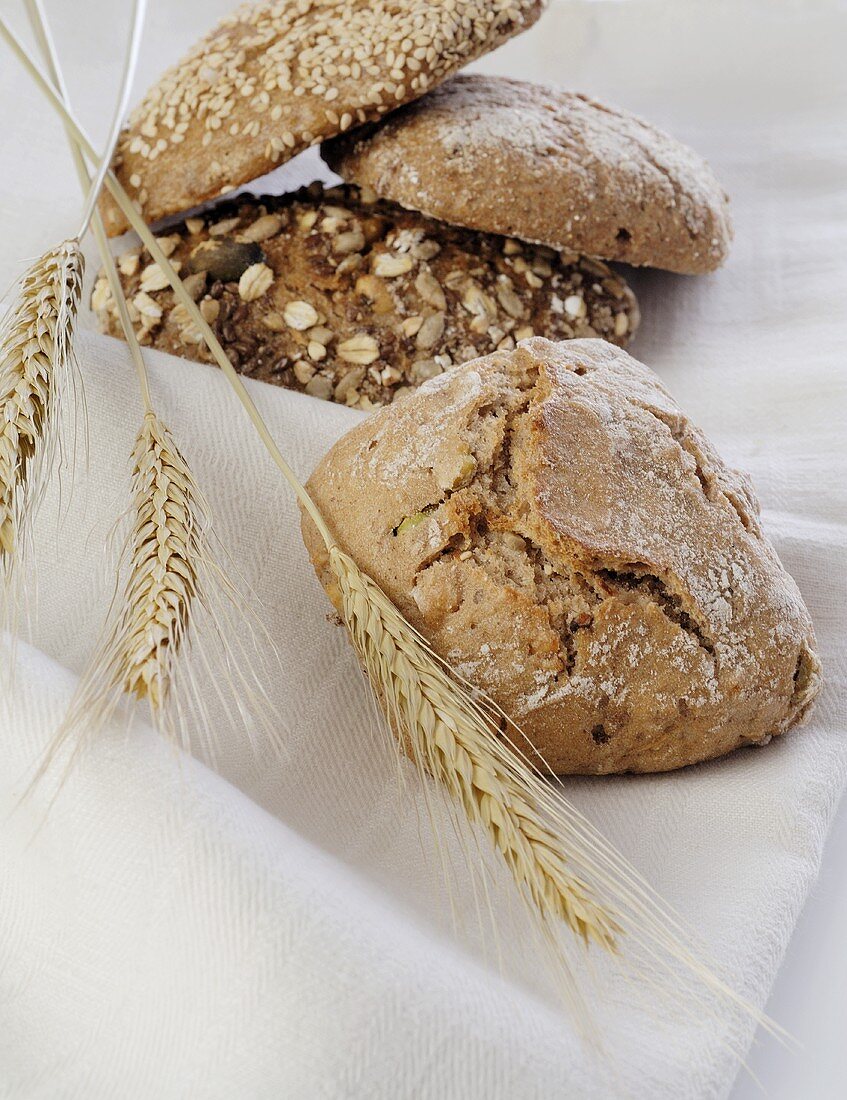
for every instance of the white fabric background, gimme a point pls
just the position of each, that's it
(277, 929)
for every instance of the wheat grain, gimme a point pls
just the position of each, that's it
(166, 551)
(171, 575)
(35, 370)
(167, 563)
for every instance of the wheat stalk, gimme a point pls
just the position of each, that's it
(170, 517)
(168, 557)
(561, 863)
(35, 371)
(563, 867)
(450, 736)
(170, 572)
(36, 342)
(565, 870)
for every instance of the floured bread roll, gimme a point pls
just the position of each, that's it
(569, 542)
(542, 164)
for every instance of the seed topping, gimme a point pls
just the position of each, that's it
(328, 324)
(300, 315)
(255, 282)
(287, 75)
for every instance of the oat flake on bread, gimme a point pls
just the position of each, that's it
(560, 532)
(356, 300)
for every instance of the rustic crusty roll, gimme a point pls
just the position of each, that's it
(276, 77)
(535, 162)
(569, 542)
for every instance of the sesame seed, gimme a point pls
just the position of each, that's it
(364, 57)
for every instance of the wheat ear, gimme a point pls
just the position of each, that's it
(450, 737)
(36, 356)
(168, 554)
(629, 903)
(35, 372)
(166, 545)
(170, 516)
(567, 872)
(165, 552)
(172, 571)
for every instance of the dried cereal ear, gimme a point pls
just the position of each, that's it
(36, 361)
(36, 346)
(170, 633)
(571, 879)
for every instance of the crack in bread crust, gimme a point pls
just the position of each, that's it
(497, 531)
(710, 481)
(639, 579)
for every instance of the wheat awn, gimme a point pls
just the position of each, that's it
(36, 356)
(450, 737)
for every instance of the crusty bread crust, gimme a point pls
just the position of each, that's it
(569, 542)
(549, 166)
(276, 77)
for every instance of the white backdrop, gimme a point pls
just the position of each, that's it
(276, 929)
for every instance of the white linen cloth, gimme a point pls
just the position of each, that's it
(278, 929)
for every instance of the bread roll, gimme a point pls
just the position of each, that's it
(561, 534)
(274, 78)
(545, 165)
(354, 300)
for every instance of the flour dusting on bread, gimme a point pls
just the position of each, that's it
(546, 165)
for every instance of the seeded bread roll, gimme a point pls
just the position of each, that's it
(535, 162)
(275, 77)
(357, 300)
(559, 531)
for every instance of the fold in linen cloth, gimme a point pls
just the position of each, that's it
(278, 926)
